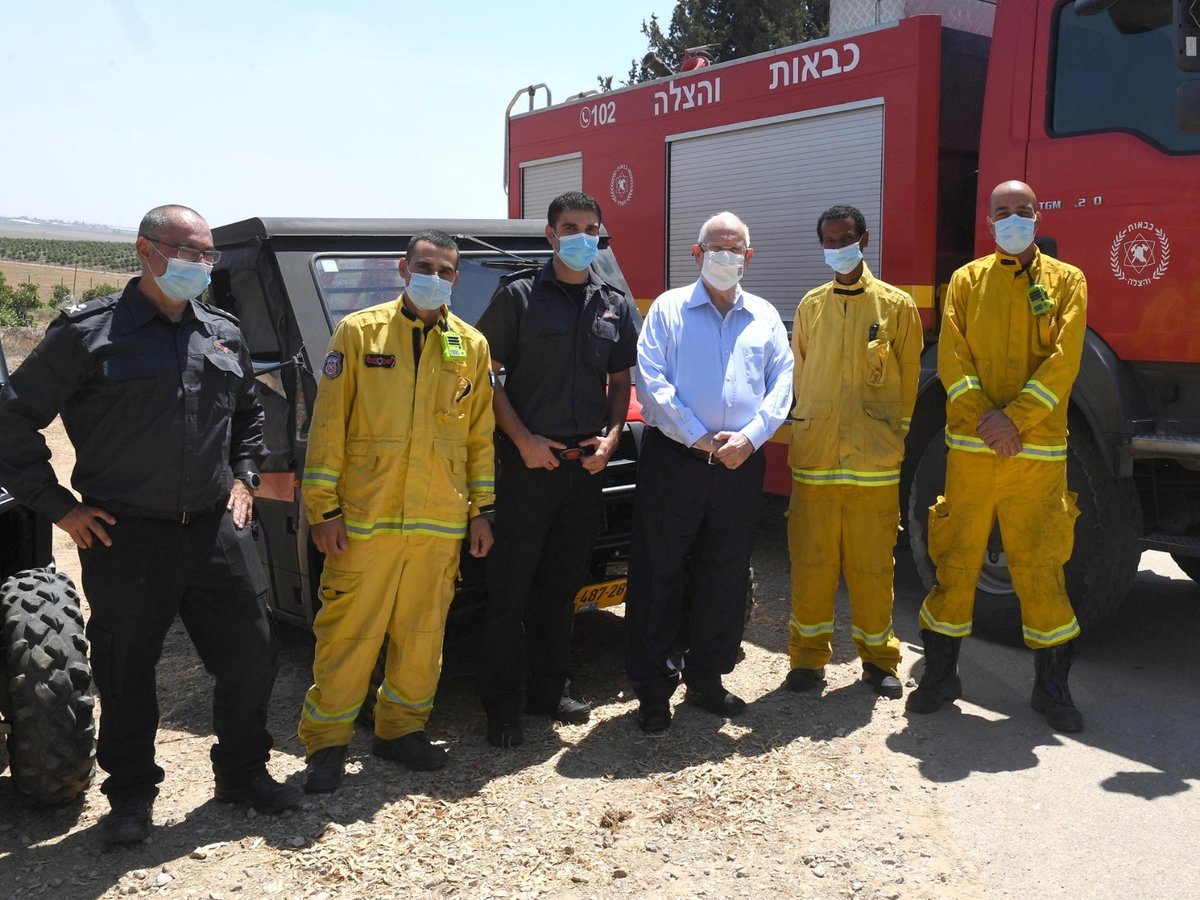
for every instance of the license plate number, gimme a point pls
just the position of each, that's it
(598, 596)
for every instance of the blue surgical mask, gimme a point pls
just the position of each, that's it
(183, 281)
(844, 260)
(578, 250)
(428, 291)
(1014, 234)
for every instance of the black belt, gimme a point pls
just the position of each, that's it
(687, 451)
(186, 517)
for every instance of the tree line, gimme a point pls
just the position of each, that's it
(111, 256)
(722, 30)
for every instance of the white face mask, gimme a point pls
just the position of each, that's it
(844, 260)
(1014, 233)
(722, 268)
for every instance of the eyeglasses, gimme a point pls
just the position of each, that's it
(716, 248)
(190, 254)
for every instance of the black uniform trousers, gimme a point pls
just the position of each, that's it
(547, 521)
(693, 524)
(209, 574)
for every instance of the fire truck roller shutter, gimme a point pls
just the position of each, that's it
(779, 177)
(544, 179)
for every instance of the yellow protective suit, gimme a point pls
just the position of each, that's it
(402, 449)
(858, 360)
(996, 354)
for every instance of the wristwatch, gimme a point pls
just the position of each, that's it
(250, 479)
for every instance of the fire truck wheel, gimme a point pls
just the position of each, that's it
(1106, 554)
(52, 748)
(1189, 564)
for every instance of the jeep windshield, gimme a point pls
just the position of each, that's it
(348, 282)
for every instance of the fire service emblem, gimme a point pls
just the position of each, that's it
(620, 186)
(1140, 254)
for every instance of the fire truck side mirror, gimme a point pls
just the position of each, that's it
(1187, 40)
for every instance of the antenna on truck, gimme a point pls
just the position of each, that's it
(531, 91)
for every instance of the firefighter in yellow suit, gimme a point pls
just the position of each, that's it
(1012, 335)
(857, 343)
(400, 460)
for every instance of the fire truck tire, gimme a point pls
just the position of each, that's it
(1189, 564)
(52, 748)
(1106, 554)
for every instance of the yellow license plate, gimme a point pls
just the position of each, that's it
(598, 596)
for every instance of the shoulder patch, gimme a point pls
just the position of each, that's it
(333, 364)
(519, 274)
(217, 311)
(83, 310)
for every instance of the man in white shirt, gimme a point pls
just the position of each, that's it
(715, 382)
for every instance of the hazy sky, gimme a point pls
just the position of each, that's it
(266, 107)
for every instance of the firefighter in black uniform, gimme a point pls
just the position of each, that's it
(155, 389)
(562, 335)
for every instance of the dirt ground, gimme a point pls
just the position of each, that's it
(801, 796)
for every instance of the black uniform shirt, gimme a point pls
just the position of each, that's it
(558, 350)
(158, 411)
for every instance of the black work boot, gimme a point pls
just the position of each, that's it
(414, 750)
(940, 683)
(1051, 696)
(882, 681)
(801, 680)
(257, 788)
(325, 770)
(127, 823)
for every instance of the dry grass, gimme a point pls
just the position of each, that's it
(46, 277)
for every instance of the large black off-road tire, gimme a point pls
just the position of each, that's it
(1105, 559)
(1189, 564)
(52, 747)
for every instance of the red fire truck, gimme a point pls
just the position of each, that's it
(914, 121)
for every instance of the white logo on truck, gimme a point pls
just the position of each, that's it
(811, 66)
(620, 186)
(1140, 254)
(687, 95)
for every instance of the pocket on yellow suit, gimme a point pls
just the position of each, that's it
(812, 444)
(878, 352)
(1058, 539)
(884, 438)
(336, 583)
(940, 530)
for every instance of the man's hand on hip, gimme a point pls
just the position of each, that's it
(83, 524)
(733, 448)
(330, 537)
(241, 504)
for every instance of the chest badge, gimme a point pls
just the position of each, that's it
(380, 361)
